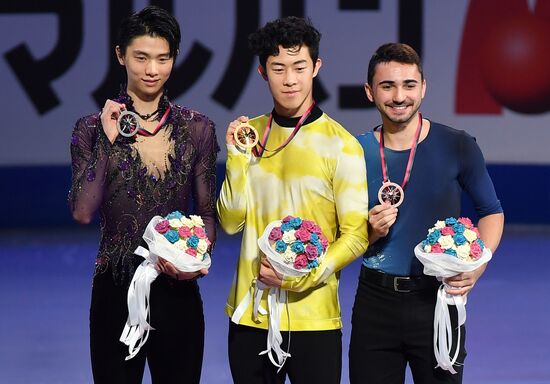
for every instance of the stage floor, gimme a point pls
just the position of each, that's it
(45, 292)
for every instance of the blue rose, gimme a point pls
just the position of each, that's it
(295, 222)
(172, 236)
(286, 227)
(297, 247)
(319, 248)
(459, 228)
(451, 252)
(193, 241)
(280, 246)
(174, 215)
(450, 221)
(459, 239)
(313, 264)
(314, 238)
(433, 236)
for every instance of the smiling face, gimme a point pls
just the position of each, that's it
(148, 66)
(290, 77)
(397, 90)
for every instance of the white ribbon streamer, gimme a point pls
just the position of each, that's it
(258, 288)
(443, 332)
(137, 327)
(276, 299)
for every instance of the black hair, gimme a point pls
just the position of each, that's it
(398, 52)
(152, 21)
(288, 32)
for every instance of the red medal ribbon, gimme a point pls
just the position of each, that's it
(144, 132)
(261, 144)
(411, 154)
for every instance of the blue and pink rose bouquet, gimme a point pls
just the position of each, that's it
(176, 238)
(187, 234)
(458, 238)
(294, 246)
(452, 246)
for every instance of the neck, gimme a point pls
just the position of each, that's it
(399, 136)
(145, 104)
(295, 112)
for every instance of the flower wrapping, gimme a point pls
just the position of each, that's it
(451, 247)
(294, 247)
(176, 238)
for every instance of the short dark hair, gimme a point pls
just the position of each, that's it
(152, 21)
(290, 31)
(398, 52)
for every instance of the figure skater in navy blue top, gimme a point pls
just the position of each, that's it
(418, 169)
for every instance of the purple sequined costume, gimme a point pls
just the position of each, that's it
(112, 178)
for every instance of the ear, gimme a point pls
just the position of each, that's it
(368, 91)
(423, 87)
(119, 55)
(261, 71)
(317, 66)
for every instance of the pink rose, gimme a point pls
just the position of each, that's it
(436, 248)
(276, 234)
(311, 252)
(323, 240)
(302, 235)
(316, 229)
(476, 231)
(287, 219)
(466, 222)
(162, 226)
(184, 232)
(191, 251)
(447, 231)
(300, 262)
(475, 250)
(199, 231)
(308, 225)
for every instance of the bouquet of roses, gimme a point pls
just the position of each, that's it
(176, 238)
(294, 247)
(451, 247)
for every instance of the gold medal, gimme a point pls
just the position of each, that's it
(245, 136)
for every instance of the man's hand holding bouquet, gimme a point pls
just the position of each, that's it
(177, 240)
(451, 247)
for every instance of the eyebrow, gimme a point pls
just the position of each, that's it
(408, 81)
(304, 61)
(139, 52)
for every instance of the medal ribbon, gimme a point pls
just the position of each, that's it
(263, 142)
(144, 132)
(411, 154)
